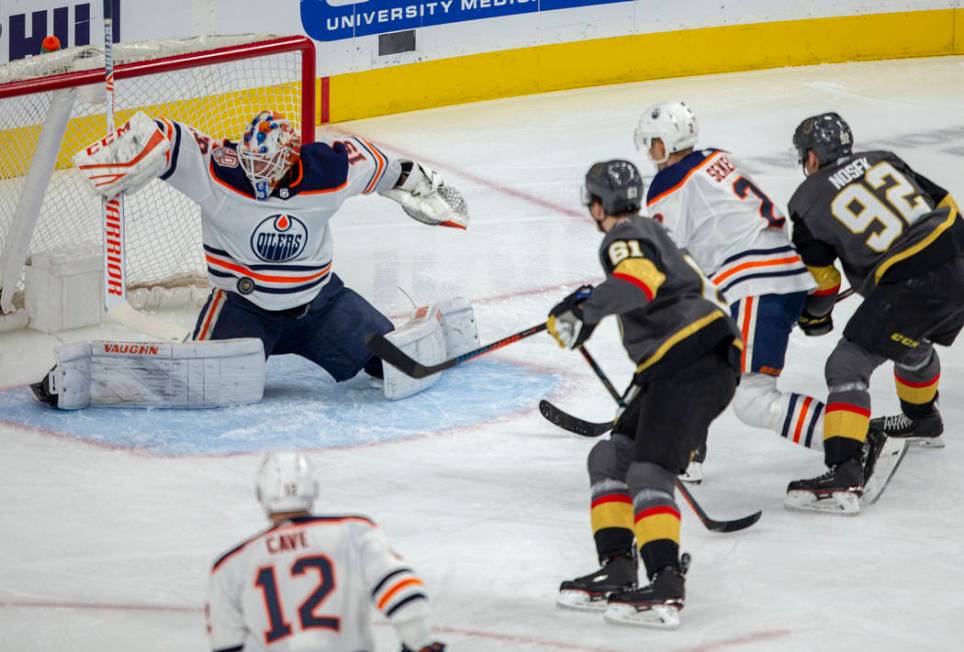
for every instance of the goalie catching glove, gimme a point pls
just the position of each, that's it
(428, 199)
(126, 160)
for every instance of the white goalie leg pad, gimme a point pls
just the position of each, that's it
(421, 339)
(458, 326)
(158, 374)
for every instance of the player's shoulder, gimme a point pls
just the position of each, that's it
(635, 228)
(335, 519)
(672, 178)
(225, 169)
(235, 551)
(325, 167)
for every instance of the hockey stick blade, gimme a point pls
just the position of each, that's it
(380, 346)
(711, 524)
(573, 424)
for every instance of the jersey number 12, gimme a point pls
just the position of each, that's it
(279, 627)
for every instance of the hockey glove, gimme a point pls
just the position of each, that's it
(813, 325)
(126, 160)
(433, 647)
(425, 197)
(566, 323)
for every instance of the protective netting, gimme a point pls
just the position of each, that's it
(163, 226)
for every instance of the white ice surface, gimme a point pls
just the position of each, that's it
(103, 549)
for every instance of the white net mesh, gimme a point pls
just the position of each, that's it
(163, 226)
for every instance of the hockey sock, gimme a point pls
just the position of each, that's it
(611, 515)
(803, 421)
(917, 386)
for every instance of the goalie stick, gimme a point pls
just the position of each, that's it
(561, 417)
(115, 242)
(113, 223)
(380, 346)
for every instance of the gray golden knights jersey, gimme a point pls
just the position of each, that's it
(277, 253)
(669, 312)
(879, 217)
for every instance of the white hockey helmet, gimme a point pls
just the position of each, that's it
(286, 483)
(672, 122)
(267, 150)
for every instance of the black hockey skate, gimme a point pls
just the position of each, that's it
(694, 471)
(925, 432)
(881, 457)
(837, 491)
(656, 605)
(41, 390)
(589, 592)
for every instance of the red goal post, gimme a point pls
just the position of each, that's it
(51, 105)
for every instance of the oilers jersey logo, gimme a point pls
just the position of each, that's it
(279, 238)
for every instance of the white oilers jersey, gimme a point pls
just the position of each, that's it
(311, 584)
(277, 253)
(730, 227)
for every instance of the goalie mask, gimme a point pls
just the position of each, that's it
(286, 483)
(267, 151)
(673, 123)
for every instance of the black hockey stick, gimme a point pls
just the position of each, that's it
(380, 346)
(574, 424)
(710, 524)
(568, 422)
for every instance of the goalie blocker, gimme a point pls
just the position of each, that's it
(154, 374)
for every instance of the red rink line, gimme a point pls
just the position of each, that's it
(746, 639)
(509, 638)
(482, 181)
(712, 646)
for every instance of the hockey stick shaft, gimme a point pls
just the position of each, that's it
(846, 294)
(601, 375)
(115, 241)
(388, 352)
(710, 523)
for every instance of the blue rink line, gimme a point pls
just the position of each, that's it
(302, 408)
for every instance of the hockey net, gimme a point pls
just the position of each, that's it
(52, 105)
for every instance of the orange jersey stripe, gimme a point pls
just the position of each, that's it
(226, 185)
(241, 269)
(679, 185)
(412, 581)
(379, 167)
(323, 191)
(801, 419)
(745, 330)
(717, 280)
(215, 302)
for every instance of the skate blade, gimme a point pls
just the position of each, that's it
(926, 442)
(839, 502)
(658, 617)
(693, 473)
(890, 458)
(580, 601)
